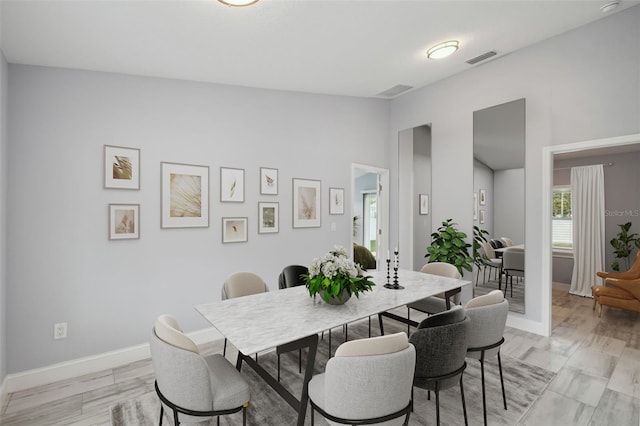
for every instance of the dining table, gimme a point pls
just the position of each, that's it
(290, 319)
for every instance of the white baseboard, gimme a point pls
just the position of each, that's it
(78, 367)
(526, 325)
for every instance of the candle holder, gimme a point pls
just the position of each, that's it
(395, 285)
(388, 276)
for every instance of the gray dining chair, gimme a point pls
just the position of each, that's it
(193, 387)
(488, 317)
(438, 303)
(241, 284)
(441, 347)
(512, 265)
(368, 381)
(492, 262)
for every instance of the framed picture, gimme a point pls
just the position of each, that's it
(184, 196)
(336, 200)
(482, 216)
(483, 197)
(234, 230)
(423, 199)
(475, 206)
(231, 185)
(121, 167)
(268, 218)
(268, 181)
(306, 203)
(124, 221)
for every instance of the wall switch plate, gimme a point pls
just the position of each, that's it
(60, 331)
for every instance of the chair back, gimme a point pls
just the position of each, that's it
(369, 378)
(488, 250)
(441, 268)
(291, 276)
(495, 243)
(441, 347)
(508, 242)
(181, 374)
(243, 284)
(513, 261)
(488, 317)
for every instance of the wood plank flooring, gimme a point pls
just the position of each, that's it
(597, 362)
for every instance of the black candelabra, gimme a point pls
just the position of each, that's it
(395, 285)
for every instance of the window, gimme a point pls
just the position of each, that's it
(562, 220)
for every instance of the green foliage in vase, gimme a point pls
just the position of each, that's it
(624, 243)
(448, 245)
(335, 272)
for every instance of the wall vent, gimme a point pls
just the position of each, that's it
(482, 57)
(395, 91)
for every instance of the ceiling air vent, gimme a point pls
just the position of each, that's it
(395, 91)
(482, 57)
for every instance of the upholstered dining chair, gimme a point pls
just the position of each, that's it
(508, 242)
(438, 303)
(190, 385)
(491, 261)
(488, 317)
(368, 381)
(441, 348)
(241, 284)
(512, 266)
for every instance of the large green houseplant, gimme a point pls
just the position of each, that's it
(448, 245)
(623, 244)
(479, 237)
(336, 277)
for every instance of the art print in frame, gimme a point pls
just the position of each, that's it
(184, 196)
(475, 206)
(231, 185)
(121, 167)
(336, 200)
(482, 217)
(306, 203)
(124, 221)
(234, 230)
(423, 199)
(483, 197)
(268, 218)
(268, 181)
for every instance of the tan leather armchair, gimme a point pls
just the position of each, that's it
(622, 289)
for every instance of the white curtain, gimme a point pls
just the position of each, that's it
(587, 207)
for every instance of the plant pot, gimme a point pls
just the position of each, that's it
(333, 300)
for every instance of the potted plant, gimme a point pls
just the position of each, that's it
(478, 239)
(624, 244)
(448, 245)
(336, 277)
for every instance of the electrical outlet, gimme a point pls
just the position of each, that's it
(60, 331)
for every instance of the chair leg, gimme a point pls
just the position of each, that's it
(484, 398)
(599, 309)
(218, 421)
(437, 405)
(162, 412)
(300, 361)
(278, 367)
(381, 326)
(408, 319)
(224, 350)
(312, 419)
(176, 422)
(244, 416)
(504, 395)
(464, 405)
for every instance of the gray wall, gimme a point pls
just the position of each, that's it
(622, 198)
(4, 191)
(571, 96)
(508, 205)
(483, 179)
(62, 267)
(421, 185)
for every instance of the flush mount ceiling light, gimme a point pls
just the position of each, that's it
(609, 6)
(238, 3)
(442, 50)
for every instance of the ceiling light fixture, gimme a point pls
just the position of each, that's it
(238, 3)
(608, 7)
(442, 50)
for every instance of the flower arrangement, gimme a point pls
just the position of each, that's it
(334, 273)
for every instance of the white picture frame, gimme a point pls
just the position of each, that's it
(306, 203)
(268, 181)
(482, 217)
(268, 217)
(184, 196)
(483, 197)
(234, 230)
(121, 167)
(124, 221)
(475, 206)
(336, 200)
(231, 185)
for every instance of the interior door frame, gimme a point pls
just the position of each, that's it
(383, 205)
(547, 187)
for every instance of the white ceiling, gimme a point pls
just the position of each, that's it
(343, 47)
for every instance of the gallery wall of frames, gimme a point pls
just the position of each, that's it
(185, 197)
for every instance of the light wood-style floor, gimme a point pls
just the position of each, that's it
(597, 362)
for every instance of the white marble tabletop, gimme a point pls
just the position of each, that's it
(266, 320)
